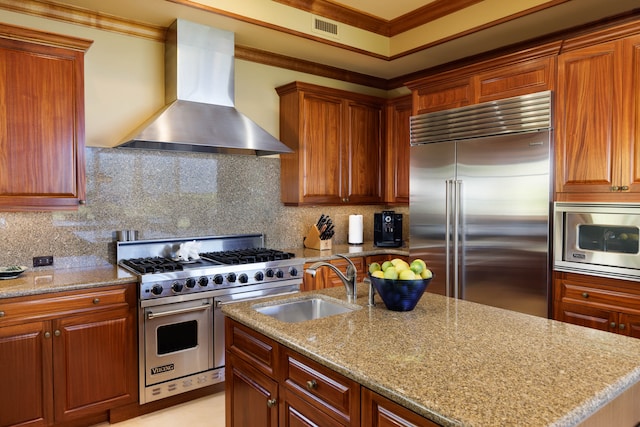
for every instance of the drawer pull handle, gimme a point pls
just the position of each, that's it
(585, 295)
(271, 403)
(312, 385)
(96, 300)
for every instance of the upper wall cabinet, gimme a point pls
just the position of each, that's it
(519, 73)
(41, 120)
(397, 151)
(337, 141)
(598, 117)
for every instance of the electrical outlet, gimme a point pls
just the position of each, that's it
(41, 261)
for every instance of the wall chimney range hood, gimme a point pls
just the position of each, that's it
(200, 115)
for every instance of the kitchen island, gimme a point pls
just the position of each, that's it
(458, 363)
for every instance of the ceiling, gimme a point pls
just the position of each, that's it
(384, 39)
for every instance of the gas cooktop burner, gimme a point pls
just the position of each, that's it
(247, 256)
(153, 265)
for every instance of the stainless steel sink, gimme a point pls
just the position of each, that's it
(300, 310)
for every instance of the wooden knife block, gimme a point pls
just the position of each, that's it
(312, 240)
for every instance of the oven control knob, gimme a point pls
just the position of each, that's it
(259, 276)
(243, 278)
(156, 289)
(203, 281)
(176, 287)
(231, 277)
(269, 272)
(293, 272)
(279, 274)
(218, 279)
(190, 283)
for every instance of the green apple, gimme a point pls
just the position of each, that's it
(386, 265)
(417, 266)
(426, 274)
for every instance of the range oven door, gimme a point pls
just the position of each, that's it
(177, 339)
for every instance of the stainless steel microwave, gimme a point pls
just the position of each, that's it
(597, 238)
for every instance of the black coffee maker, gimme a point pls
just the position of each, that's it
(387, 229)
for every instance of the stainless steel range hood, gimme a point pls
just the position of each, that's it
(199, 90)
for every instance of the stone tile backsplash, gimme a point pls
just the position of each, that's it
(168, 194)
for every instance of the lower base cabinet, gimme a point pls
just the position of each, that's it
(268, 384)
(68, 358)
(607, 304)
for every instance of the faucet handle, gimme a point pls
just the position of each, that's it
(352, 271)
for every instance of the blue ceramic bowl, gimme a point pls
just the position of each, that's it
(400, 295)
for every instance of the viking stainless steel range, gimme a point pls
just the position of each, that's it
(182, 285)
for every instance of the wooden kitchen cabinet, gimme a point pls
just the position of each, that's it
(41, 120)
(264, 376)
(607, 304)
(337, 141)
(519, 73)
(397, 151)
(68, 357)
(598, 118)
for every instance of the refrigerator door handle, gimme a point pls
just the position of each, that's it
(457, 285)
(447, 235)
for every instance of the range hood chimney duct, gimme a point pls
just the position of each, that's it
(200, 115)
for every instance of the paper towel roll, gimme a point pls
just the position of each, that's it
(355, 230)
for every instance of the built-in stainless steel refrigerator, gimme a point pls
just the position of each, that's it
(481, 200)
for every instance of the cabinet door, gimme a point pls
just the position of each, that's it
(590, 317)
(41, 126)
(251, 398)
(589, 103)
(378, 411)
(311, 283)
(322, 172)
(520, 78)
(26, 394)
(630, 151)
(361, 169)
(443, 95)
(94, 362)
(397, 153)
(629, 324)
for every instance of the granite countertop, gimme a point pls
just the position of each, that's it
(459, 363)
(42, 281)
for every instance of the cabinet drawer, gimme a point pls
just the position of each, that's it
(54, 305)
(321, 386)
(251, 346)
(575, 292)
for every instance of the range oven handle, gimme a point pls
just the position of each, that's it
(219, 303)
(152, 315)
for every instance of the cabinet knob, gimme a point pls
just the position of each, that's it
(612, 324)
(312, 385)
(1, 313)
(56, 332)
(621, 326)
(624, 188)
(585, 295)
(82, 202)
(615, 188)
(47, 334)
(96, 300)
(271, 403)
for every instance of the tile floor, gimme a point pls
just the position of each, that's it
(207, 411)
